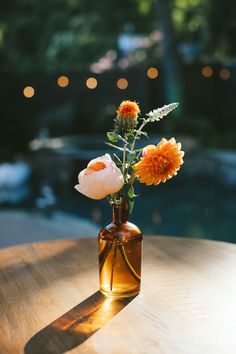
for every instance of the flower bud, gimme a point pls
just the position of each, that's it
(127, 116)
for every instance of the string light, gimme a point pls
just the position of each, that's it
(224, 74)
(122, 83)
(28, 91)
(152, 73)
(91, 83)
(207, 71)
(63, 81)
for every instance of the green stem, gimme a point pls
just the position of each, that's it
(132, 178)
(128, 264)
(113, 266)
(124, 155)
(136, 135)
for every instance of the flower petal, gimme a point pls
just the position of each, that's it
(98, 182)
(160, 163)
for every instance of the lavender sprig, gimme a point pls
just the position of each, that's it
(159, 113)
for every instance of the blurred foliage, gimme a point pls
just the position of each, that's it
(41, 39)
(59, 34)
(222, 28)
(210, 22)
(51, 35)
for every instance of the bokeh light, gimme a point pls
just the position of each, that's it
(122, 83)
(28, 91)
(91, 83)
(207, 71)
(63, 81)
(152, 73)
(224, 74)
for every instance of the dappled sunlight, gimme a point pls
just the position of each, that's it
(56, 261)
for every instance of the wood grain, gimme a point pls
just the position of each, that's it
(49, 300)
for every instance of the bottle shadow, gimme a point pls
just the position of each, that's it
(75, 326)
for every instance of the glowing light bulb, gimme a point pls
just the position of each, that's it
(28, 91)
(207, 71)
(63, 81)
(122, 83)
(91, 83)
(152, 73)
(224, 74)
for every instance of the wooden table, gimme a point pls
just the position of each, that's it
(49, 300)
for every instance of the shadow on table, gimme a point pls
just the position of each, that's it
(76, 325)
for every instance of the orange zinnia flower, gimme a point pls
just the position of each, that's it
(128, 109)
(159, 163)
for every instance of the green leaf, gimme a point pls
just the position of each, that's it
(130, 156)
(114, 137)
(114, 146)
(138, 150)
(117, 160)
(130, 135)
(144, 133)
(131, 205)
(131, 192)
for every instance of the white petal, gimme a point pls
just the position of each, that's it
(98, 184)
(95, 193)
(106, 159)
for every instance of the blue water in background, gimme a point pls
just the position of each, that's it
(200, 202)
(198, 208)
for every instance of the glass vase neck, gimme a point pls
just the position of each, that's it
(120, 213)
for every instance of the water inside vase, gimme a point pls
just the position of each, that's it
(120, 266)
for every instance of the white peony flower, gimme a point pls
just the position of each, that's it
(100, 178)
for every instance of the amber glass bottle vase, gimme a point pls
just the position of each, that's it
(120, 255)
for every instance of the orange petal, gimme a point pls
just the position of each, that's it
(97, 166)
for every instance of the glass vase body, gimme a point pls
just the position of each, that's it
(120, 255)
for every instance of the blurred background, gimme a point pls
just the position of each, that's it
(65, 67)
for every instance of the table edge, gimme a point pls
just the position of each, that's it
(67, 240)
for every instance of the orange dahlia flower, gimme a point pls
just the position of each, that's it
(159, 163)
(128, 109)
